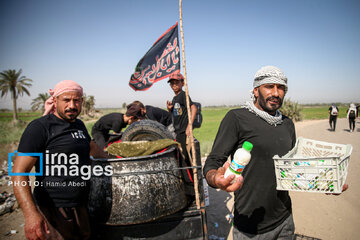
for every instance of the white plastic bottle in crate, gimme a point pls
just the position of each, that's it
(242, 157)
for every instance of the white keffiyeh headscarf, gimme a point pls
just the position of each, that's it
(272, 120)
(266, 75)
(270, 74)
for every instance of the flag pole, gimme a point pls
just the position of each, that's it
(193, 162)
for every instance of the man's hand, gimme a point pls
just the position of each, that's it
(169, 106)
(215, 178)
(345, 187)
(36, 227)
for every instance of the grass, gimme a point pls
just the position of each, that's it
(322, 112)
(211, 121)
(24, 116)
(212, 116)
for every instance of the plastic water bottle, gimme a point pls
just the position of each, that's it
(242, 157)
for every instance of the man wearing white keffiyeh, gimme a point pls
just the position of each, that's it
(260, 211)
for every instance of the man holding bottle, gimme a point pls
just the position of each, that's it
(260, 210)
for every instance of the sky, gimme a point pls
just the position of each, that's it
(98, 43)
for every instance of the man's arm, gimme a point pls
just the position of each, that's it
(35, 223)
(97, 152)
(193, 112)
(225, 143)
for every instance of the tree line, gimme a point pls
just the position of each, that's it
(12, 81)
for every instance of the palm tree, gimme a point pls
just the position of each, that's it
(10, 81)
(91, 101)
(88, 104)
(39, 102)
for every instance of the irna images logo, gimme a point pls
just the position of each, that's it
(61, 164)
(11, 155)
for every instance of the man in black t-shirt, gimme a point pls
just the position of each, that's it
(114, 122)
(260, 211)
(58, 208)
(177, 108)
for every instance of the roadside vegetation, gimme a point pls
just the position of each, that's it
(10, 132)
(13, 122)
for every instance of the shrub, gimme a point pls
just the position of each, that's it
(291, 110)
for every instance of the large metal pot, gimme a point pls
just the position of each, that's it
(140, 190)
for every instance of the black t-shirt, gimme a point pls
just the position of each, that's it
(111, 121)
(179, 112)
(65, 147)
(259, 207)
(158, 114)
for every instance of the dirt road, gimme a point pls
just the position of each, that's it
(331, 217)
(316, 215)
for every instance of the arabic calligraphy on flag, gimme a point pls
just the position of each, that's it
(159, 62)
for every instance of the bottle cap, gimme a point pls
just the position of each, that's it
(247, 146)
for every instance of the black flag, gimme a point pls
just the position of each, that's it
(159, 62)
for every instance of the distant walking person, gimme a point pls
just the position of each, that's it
(334, 112)
(351, 115)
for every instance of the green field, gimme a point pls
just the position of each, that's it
(322, 112)
(212, 116)
(23, 116)
(211, 121)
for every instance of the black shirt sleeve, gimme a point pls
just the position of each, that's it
(111, 121)
(293, 133)
(33, 138)
(158, 114)
(191, 102)
(225, 142)
(118, 123)
(184, 99)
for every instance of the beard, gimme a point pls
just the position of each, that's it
(270, 104)
(69, 114)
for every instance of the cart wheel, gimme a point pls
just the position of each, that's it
(146, 130)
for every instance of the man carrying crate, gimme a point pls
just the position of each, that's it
(260, 210)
